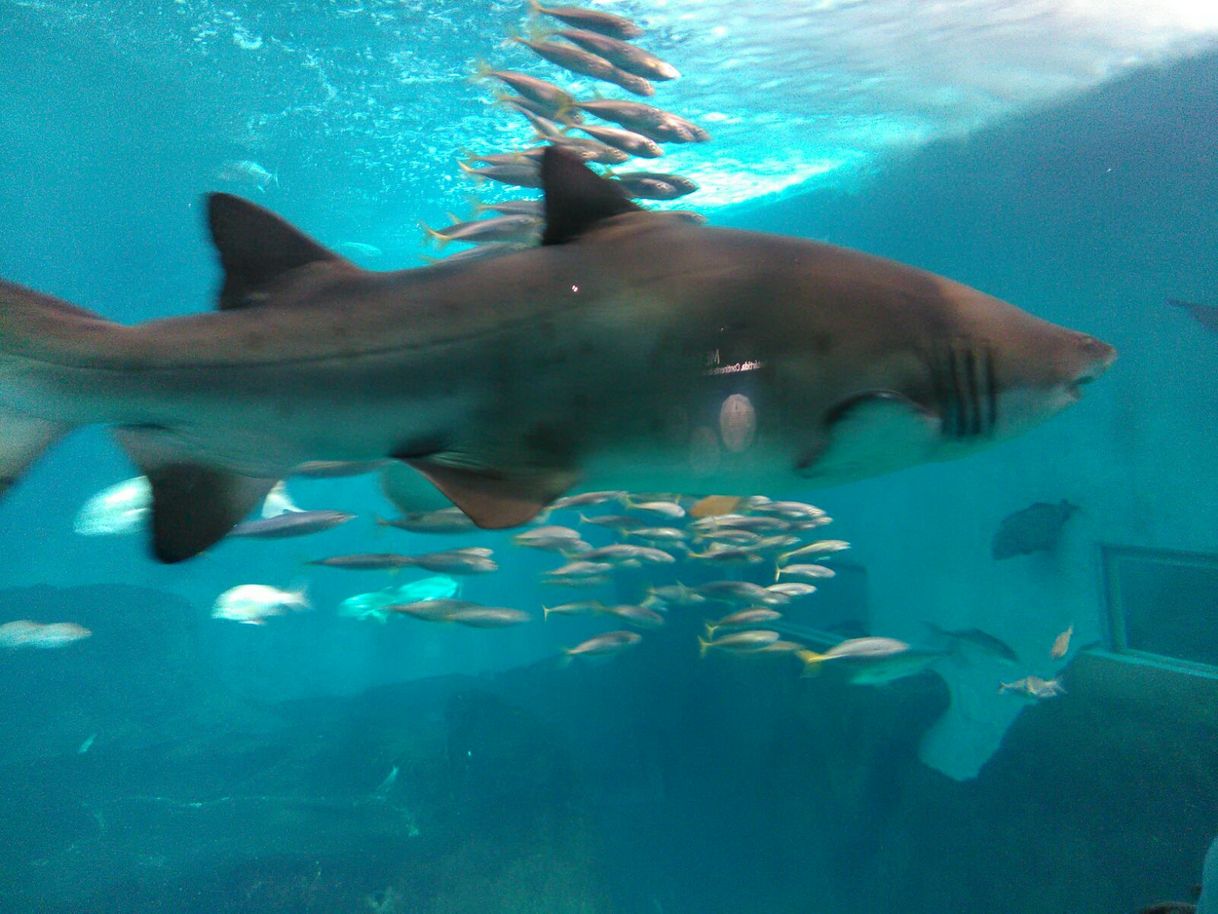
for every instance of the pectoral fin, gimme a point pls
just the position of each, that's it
(193, 506)
(493, 498)
(869, 434)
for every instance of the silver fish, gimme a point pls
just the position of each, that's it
(587, 499)
(738, 642)
(596, 20)
(575, 608)
(608, 643)
(530, 87)
(755, 615)
(653, 186)
(661, 126)
(577, 60)
(526, 174)
(292, 523)
(451, 369)
(498, 228)
(513, 207)
(626, 140)
(444, 520)
(623, 55)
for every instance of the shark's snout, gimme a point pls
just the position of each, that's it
(1094, 358)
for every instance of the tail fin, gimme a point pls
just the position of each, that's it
(472, 172)
(34, 325)
(811, 661)
(703, 647)
(482, 70)
(429, 232)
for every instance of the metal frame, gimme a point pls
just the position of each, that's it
(1115, 635)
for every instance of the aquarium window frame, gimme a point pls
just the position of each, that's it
(1115, 632)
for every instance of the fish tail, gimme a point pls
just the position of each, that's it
(710, 630)
(545, 613)
(704, 645)
(811, 661)
(482, 70)
(566, 659)
(476, 204)
(34, 328)
(564, 110)
(469, 170)
(300, 595)
(439, 237)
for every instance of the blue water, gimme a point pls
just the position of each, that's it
(1059, 159)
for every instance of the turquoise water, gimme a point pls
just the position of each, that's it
(1061, 157)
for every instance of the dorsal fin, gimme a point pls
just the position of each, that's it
(577, 198)
(256, 247)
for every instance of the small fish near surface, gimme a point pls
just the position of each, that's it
(248, 173)
(450, 370)
(553, 99)
(360, 249)
(622, 54)
(597, 20)
(577, 60)
(1036, 528)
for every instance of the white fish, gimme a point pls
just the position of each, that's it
(278, 501)
(253, 604)
(120, 508)
(86, 745)
(24, 633)
(360, 249)
(248, 173)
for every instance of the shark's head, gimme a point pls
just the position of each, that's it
(1010, 370)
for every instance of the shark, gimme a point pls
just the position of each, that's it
(631, 349)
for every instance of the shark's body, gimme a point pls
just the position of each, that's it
(632, 350)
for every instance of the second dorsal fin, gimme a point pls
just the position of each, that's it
(256, 247)
(577, 198)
